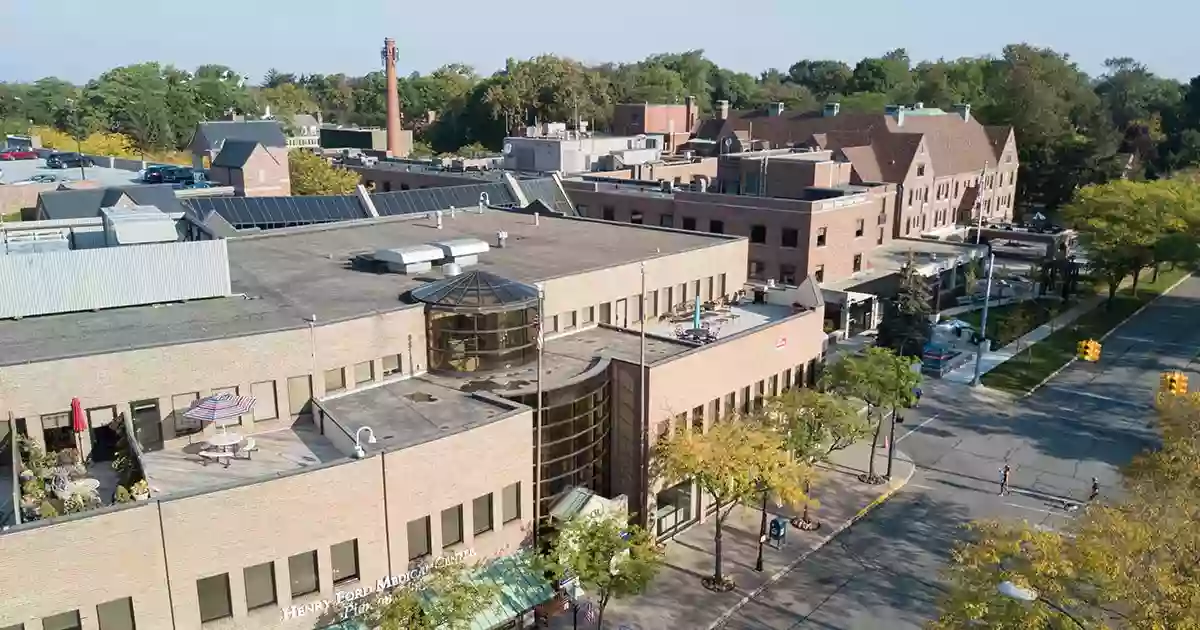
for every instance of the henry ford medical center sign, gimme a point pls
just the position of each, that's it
(352, 603)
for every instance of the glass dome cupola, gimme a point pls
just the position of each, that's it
(476, 291)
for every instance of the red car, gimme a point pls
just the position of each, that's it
(18, 154)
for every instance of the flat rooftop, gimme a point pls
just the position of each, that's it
(891, 257)
(566, 357)
(411, 411)
(180, 469)
(283, 277)
(723, 323)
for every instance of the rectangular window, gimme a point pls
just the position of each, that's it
(714, 409)
(452, 530)
(789, 237)
(213, 594)
(335, 380)
(760, 394)
(758, 234)
(265, 407)
(860, 228)
(481, 514)
(510, 502)
(858, 262)
(62, 621)
(181, 403)
(570, 320)
(635, 217)
(716, 227)
(819, 273)
(115, 615)
(609, 214)
(821, 232)
(553, 324)
(343, 558)
(302, 568)
(910, 196)
(708, 289)
(589, 314)
(698, 419)
(879, 240)
(667, 220)
(689, 223)
(419, 544)
(787, 379)
(260, 585)
(920, 170)
(773, 385)
(721, 285)
(652, 304)
(299, 394)
(757, 269)
(882, 219)
(364, 372)
(955, 189)
(908, 225)
(730, 402)
(606, 313)
(745, 400)
(787, 274)
(391, 364)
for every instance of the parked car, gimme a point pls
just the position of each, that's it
(68, 160)
(18, 154)
(177, 174)
(154, 174)
(199, 179)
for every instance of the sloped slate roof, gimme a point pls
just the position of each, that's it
(211, 136)
(235, 153)
(86, 203)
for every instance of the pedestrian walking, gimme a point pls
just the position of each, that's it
(1095, 489)
(917, 396)
(1005, 476)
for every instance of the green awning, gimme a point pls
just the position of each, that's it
(520, 587)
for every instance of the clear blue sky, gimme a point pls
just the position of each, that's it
(78, 39)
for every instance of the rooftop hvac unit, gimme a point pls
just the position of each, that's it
(462, 251)
(36, 242)
(138, 225)
(410, 259)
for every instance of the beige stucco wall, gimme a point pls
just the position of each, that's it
(80, 563)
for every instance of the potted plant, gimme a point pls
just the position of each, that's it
(26, 475)
(33, 491)
(140, 490)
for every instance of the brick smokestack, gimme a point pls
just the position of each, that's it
(393, 97)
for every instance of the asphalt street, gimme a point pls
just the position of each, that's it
(884, 572)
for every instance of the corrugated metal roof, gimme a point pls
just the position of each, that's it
(92, 279)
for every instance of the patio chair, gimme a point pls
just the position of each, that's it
(246, 448)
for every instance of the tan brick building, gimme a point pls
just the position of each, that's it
(418, 328)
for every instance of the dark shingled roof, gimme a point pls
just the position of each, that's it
(87, 202)
(235, 153)
(211, 136)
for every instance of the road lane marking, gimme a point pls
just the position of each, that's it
(914, 429)
(1156, 343)
(1097, 396)
(1033, 509)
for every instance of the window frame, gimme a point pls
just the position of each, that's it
(316, 573)
(789, 238)
(452, 510)
(333, 562)
(125, 604)
(427, 522)
(490, 506)
(505, 517)
(228, 598)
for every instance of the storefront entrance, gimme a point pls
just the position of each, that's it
(676, 509)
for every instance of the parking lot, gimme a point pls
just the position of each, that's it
(21, 170)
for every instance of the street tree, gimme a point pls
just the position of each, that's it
(734, 461)
(311, 174)
(446, 597)
(881, 379)
(908, 318)
(814, 424)
(610, 558)
(1013, 326)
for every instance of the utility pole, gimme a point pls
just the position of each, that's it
(538, 413)
(979, 201)
(983, 341)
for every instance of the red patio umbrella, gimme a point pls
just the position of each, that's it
(78, 421)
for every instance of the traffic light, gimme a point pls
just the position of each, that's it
(1175, 383)
(1089, 350)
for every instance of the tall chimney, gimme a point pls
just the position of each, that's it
(689, 115)
(389, 56)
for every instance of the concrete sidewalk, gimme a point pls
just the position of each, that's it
(677, 601)
(966, 372)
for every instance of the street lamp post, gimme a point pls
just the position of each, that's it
(1020, 593)
(987, 300)
(762, 532)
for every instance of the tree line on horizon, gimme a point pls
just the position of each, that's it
(1073, 129)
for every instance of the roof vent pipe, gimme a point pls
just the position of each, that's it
(501, 238)
(438, 215)
(537, 218)
(451, 269)
(452, 210)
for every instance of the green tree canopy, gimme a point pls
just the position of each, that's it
(312, 174)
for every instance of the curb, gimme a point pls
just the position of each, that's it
(779, 575)
(1107, 334)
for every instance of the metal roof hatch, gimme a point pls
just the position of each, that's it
(410, 259)
(462, 251)
(137, 225)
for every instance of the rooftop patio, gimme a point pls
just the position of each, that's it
(181, 468)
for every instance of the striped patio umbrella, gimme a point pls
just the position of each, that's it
(220, 409)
